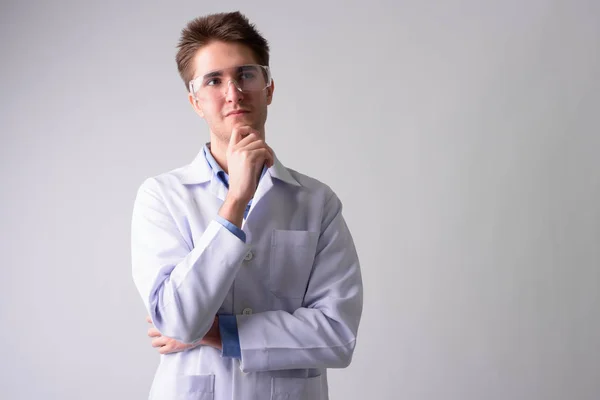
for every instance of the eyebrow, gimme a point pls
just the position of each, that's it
(212, 74)
(239, 69)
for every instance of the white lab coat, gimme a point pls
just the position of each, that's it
(295, 286)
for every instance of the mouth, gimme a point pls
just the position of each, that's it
(237, 112)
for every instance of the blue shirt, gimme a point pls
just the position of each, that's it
(228, 323)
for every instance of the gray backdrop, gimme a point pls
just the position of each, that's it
(461, 137)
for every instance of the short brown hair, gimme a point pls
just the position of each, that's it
(225, 27)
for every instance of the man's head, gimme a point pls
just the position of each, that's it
(226, 61)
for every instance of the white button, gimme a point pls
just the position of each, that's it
(248, 256)
(247, 311)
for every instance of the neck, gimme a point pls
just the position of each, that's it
(219, 153)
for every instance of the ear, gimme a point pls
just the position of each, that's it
(195, 105)
(270, 91)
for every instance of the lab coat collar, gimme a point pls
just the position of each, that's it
(199, 171)
(279, 171)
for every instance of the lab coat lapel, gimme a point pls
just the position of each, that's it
(264, 185)
(276, 172)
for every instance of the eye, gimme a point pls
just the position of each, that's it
(212, 82)
(247, 75)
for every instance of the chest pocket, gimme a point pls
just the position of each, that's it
(290, 262)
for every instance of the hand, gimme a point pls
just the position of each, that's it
(246, 156)
(168, 345)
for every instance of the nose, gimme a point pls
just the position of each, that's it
(233, 92)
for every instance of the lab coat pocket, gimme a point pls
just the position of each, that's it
(189, 387)
(291, 260)
(296, 388)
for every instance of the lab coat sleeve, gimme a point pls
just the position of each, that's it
(322, 333)
(182, 284)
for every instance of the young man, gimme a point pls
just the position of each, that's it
(246, 268)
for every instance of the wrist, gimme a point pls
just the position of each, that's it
(235, 202)
(233, 210)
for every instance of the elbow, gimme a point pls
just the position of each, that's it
(177, 326)
(186, 335)
(182, 332)
(344, 355)
(188, 338)
(176, 319)
(345, 361)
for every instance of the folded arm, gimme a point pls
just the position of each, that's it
(322, 333)
(182, 284)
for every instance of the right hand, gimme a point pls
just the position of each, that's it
(246, 156)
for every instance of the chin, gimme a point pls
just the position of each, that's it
(242, 122)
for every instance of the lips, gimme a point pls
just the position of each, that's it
(237, 112)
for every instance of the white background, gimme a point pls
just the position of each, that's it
(461, 136)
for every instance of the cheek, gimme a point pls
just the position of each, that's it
(211, 111)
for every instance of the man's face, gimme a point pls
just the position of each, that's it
(220, 98)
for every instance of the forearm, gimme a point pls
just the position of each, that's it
(322, 333)
(182, 287)
(276, 340)
(185, 297)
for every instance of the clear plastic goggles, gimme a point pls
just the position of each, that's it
(245, 78)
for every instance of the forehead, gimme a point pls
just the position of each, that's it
(219, 55)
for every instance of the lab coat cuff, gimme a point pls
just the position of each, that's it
(252, 359)
(232, 228)
(229, 336)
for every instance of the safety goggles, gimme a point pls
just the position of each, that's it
(246, 78)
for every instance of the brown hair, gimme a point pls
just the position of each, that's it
(225, 27)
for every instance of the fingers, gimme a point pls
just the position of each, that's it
(260, 156)
(266, 156)
(247, 138)
(148, 319)
(250, 138)
(252, 142)
(163, 344)
(235, 138)
(166, 349)
(253, 145)
(153, 332)
(238, 133)
(159, 341)
(257, 144)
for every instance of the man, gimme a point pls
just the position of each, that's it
(246, 268)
